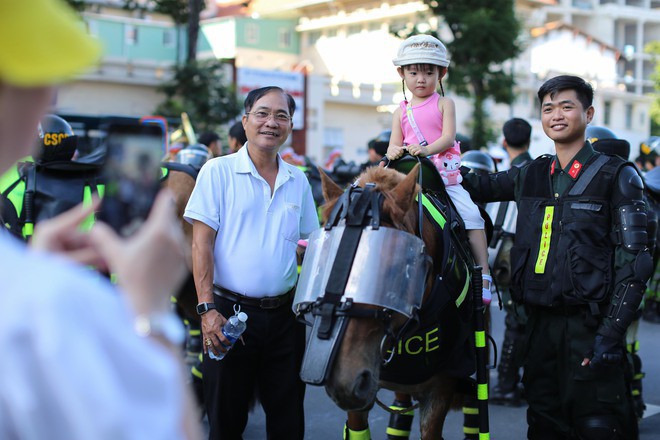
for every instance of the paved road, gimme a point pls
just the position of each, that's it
(324, 421)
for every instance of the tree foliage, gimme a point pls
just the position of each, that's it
(198, 88)
(485, 36)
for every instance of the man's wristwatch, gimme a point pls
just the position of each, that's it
(204, 307)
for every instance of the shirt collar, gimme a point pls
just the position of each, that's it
(575, 165)
(244, 165)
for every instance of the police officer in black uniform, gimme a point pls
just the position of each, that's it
(579, 263)
(517, 138)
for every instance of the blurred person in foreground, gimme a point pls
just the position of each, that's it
(248, 211)
(81, 359)
(579, 263)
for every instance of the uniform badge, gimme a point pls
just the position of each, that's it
(576, 167)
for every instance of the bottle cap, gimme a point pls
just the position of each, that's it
(242, 316)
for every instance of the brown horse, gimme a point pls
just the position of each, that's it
(181, 184)
(379, 347)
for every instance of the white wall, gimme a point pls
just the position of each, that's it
(96, 98)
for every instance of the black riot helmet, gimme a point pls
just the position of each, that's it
(478, 162)
(195, 155)
(57, 141)
(605, 141)
(380, 143)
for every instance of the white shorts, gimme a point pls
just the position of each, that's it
(467, 209)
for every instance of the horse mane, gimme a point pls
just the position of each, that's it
(386, 180)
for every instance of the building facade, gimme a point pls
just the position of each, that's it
(341, 53)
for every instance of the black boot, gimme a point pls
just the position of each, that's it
(400, 423)
(507, 390)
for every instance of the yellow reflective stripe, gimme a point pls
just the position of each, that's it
(195, 332)
(464, 292)
(484, 436)
(480, 339)
(164, 172)
(397, 432)
(28, 230)
(470, 411)
(15, 196)
(435, 213)
(195, 372)
(468, 430)
(482, 391)
(546, 234)
(357, 435)
(87, 224)
(399, 408)
(633, 348)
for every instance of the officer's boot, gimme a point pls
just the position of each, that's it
(400, 423)
(507, 391)
(638, 375)
(470, 418)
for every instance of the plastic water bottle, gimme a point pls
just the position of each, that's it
(232, 330)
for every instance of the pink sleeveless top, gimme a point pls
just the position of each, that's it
(429, 122)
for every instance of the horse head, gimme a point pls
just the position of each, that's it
(369, 300)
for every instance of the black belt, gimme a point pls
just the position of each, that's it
(266, 303)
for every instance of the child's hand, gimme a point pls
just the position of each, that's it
(394, 152)
(418, 150)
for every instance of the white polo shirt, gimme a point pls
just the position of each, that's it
(257, 235)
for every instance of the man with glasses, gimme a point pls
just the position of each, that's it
(248, 212)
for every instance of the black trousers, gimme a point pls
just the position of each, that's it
(268, 364)
(560, 392)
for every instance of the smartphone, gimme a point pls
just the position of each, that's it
(131, 172)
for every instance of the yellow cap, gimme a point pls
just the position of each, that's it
(42, 42)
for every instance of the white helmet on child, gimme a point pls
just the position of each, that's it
(422, 49)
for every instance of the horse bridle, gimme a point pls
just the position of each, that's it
(356, 209)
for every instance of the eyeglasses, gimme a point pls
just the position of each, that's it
(261, 116)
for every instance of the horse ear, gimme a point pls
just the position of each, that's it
(331, 190)
(404, 193)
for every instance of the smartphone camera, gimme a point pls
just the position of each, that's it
(132, 174)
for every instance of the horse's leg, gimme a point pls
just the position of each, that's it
(357, 426)
(434, 405)
(400, 424)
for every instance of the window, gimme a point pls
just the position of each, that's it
(354, 29)
(607, 113)
(93, 27)
(333, 137)
(629, 116)
(284, 38)
(252, 33)
(131, 35)
(168, 37)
